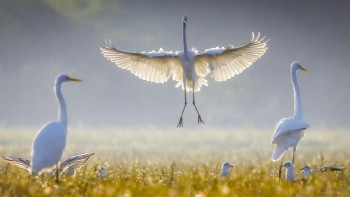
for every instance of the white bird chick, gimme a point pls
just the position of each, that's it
(226, 169)
(102, 173)
(306, 171)
(290, 171)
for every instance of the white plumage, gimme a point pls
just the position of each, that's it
(306, 171)
(289, 131)
(289, 171)
(225, 169)
(50, 141)
(48, 146)
(188, 67)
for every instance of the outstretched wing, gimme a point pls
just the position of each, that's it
(22, 163)
(77, 161)
(150, 66)
(226, 62)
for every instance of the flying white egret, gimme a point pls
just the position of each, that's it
(188, 67)
(50, 141)
(289, 171)
(68, 166)
(225, 171)
(289, 131)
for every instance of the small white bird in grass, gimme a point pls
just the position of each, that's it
(289, 131)
(289, 171)
(225, 171)
(102, 173)
(188, 67)
(67, 167)
(306, 170)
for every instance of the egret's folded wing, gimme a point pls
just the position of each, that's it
(78, 161)
(286, 125)
(22, 163)
(226, 62)
(150, 66)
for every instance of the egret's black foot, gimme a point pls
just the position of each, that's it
(180, 124)
(200, 121)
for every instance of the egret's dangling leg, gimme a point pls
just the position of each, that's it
(57, 173)
(280, 170)
(194, 103)
(180, 124)
(294, 149)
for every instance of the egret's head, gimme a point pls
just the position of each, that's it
(184, 19)
(288, 165)
(65, 78)
(306, 168)
(296, 66)
(226, 165)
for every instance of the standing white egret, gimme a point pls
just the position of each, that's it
(289, 131)
(188, 67)
(225, 170)
(289, 171)
(50, 141)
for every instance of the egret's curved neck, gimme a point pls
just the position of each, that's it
(62, 110)
(298, 111)
(184, 39)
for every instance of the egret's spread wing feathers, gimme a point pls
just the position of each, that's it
(150, 66)
(78, 161)
(226, 62)
(22, 163)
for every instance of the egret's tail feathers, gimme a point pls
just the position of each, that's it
(197, 86)
(278, 152)
(20, 162)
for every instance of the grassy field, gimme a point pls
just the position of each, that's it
(179, 162)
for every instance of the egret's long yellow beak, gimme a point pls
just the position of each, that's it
(74, 79)
(303, 68)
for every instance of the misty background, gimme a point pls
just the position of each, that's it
(41, 38)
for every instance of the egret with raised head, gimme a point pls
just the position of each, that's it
(289, 131)
(188, 67)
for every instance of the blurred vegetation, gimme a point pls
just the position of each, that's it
(172, 162)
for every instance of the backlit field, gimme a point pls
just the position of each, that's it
(179, 162)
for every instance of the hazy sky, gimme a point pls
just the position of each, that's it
(40, 39)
